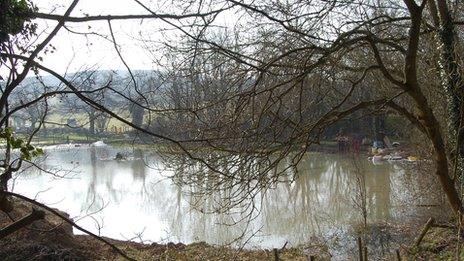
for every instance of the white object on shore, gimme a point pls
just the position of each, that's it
(98, 144)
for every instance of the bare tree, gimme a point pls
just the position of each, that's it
(257, 90)
(280, 47)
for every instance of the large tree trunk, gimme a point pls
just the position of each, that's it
(5, 204)
(432, 127)
(425, 113)
(451, 82)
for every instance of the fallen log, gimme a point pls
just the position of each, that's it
(23, 222)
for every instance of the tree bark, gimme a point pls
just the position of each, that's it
(425, 113)
(450, 81)
(431, 125)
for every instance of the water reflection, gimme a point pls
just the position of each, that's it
(135, 195)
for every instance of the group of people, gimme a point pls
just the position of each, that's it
(347, 143)
(381, 146)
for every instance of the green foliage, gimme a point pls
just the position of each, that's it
(14, 20)
(13, 15)
(27, 151)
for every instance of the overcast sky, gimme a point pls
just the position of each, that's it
(77, 51)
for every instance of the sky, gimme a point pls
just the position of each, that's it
(76, 52)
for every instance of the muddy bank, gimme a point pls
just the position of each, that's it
(52, 239)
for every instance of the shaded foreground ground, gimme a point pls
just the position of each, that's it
(51, 239)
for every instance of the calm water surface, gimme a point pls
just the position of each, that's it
(136, 200)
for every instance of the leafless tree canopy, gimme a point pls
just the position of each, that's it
(243, 88)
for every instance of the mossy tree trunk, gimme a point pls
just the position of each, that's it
(451, 83)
